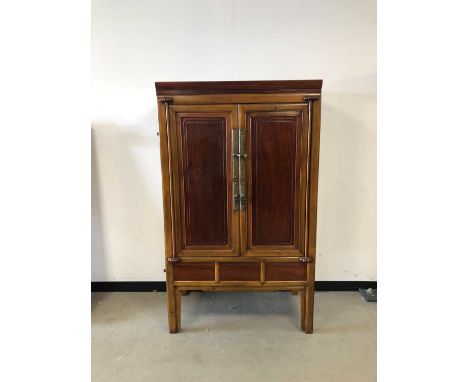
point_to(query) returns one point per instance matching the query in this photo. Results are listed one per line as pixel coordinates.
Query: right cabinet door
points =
(273, 218)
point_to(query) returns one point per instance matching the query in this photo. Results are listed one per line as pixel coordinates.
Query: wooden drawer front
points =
(239, 271)
(285, 272)
(194, 272)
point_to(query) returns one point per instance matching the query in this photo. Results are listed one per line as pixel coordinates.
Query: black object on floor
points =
(370, 294)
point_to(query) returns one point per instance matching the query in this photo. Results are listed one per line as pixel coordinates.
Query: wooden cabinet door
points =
(204, 221)
(272, 222)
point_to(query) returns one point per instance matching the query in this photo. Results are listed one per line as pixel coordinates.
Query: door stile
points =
(308, 170)
(315, 106)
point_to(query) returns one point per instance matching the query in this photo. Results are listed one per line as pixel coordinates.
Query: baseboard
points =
(160, 286)
(343, 286)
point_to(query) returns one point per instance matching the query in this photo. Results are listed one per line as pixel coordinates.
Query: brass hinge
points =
(305, 259)
(174, 259)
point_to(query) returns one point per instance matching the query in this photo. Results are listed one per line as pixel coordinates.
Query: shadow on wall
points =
(126, 202)
(98, 250)
(346, 237)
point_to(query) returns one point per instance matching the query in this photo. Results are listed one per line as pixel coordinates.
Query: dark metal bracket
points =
(166, 100)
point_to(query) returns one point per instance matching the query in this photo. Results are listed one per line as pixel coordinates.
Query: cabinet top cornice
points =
(238, 87)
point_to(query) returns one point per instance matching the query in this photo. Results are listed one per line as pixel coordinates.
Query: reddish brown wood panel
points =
(285, 272)
(239, 87)
(274, 179)
(239, 271)
(194, 272)
(205, 180)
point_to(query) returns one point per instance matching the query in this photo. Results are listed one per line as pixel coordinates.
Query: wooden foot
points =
(302, 298)
(172, 310)
(178, 299)
(309, 309)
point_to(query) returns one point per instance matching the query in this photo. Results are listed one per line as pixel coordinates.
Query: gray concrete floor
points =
(233, 337)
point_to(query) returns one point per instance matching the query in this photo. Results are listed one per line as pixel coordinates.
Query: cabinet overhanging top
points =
(238, 87)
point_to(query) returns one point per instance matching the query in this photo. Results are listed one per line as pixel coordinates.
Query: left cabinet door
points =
(201, 175)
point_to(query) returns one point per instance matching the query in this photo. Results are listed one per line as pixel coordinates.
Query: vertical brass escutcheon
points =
(235, 169)
(238, 168)
(242, 157)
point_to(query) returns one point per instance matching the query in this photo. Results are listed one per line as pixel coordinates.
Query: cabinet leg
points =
(302, 298)
(172, 309)
(309, 309)
(178, 295)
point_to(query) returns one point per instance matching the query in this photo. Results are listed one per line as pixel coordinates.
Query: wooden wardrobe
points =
(240, 166)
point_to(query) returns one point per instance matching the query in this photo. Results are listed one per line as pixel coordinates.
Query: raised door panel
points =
(273, 222)
(204, 221)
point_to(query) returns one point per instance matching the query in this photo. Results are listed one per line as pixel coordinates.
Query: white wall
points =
(138, 42)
